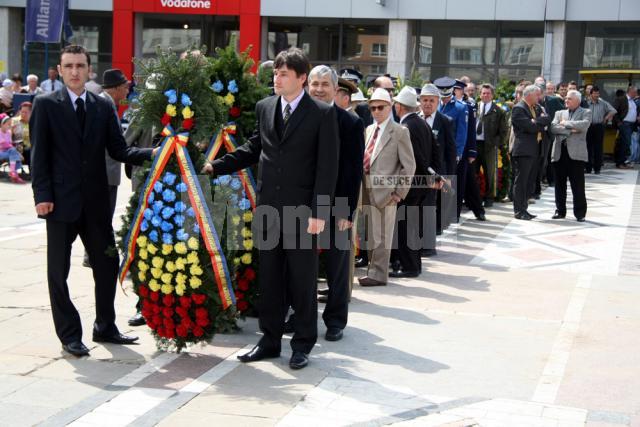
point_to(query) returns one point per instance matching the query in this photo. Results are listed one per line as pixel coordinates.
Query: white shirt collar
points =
(294, 103)
(73, 97)
(404, 117)
(383, 125)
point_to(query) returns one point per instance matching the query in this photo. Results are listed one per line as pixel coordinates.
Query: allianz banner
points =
(44, 20)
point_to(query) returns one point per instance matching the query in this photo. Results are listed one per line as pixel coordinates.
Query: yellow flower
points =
(236, 261)
(142, 241)
(246, 232)
(180, 248)
(192, 258)
(166, 249)
(152, 249)
(235, 219)
(193, 243)
(187, 113)
(142, 253)
(143, 266)
(195, 270)
(247, 216)
(181, 279)
(229, 99)
(166, 278)
(157, 262)
(171, 110)
(156, 273)
(248, 244)
(180, 263)
(246, 258)
(166, 289)
(170, 266)
(180, 289)
(154, 285)
(195, 282)
(142, 276)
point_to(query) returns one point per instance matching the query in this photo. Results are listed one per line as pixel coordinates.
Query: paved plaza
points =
(514, 323)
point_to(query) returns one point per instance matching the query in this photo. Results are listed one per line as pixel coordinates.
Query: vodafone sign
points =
(186, 4)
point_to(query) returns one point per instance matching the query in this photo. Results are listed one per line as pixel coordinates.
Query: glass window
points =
(521, 50)
(425, 49)
(179, 32)
(378, 49)
(611, 45)
(472, 50)
(318, 38)
(364, 46)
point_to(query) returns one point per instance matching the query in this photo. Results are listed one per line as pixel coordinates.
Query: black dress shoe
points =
(333, 334)
(137, 320)
(289, 326)
(531, 215)
(581, 219)
(368, 281)
(400, 274)
(76, 348)
(323, 291)
(258, 353)
(558, 215)
(116, 338)
(323, 299)
(428, 252)
(481, 217)
(523, 216)
(488, 203)
(298, 360)
(361, 262)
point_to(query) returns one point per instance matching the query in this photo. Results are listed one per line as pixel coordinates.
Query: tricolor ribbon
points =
(176, 143)
(225, 138)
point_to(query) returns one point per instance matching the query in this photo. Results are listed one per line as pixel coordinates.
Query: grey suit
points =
(114, 167)
(568, 156)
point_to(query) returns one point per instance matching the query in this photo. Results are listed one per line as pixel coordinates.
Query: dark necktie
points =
(80, 112)
(287, 113)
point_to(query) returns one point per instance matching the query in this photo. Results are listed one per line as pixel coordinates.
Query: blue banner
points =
(44, 20)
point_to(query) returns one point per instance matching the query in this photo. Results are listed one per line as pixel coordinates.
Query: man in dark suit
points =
(324, 86)
(405, 258)
(529, 123)
(70, 130)
(296, 145)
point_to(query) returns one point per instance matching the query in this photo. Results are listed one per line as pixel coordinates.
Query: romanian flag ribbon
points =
(224, 138)
(176, 143)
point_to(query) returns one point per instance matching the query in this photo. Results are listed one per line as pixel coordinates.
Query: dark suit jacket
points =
(526, 131)
(297, 169)
(494, 124)
(69, 165)
(362, 110)
(426, 152)
(351, 132)
(443, 131)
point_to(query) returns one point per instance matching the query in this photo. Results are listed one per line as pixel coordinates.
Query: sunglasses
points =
(373, 108)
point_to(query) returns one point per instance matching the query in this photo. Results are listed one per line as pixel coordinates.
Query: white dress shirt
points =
(73, 97)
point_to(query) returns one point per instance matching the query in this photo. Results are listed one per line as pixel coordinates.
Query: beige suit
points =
(392, 167)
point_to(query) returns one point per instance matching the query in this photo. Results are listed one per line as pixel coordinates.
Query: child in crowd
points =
(8, 151)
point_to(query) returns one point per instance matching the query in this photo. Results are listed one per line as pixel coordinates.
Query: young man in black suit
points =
(70, 129)
(296, 145)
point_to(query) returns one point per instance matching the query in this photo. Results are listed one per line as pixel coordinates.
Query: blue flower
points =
(224, 179)
(171, 95)
(144, 226)
(167, 239)
(180, 207)
(191, 213)
(215, 181)
(153, 236)
(148, 213)
(151, 198)
(166, 226)
(217, 86)
(185, 100)
(233, 199)
(196, 229)
(168, 195)
(156, 221)
(167, 212)
(179, 220)
(157, 206)
(158, 187)
(244, 204)
(236, 184)
(182, 235)
(169, 178)
(232, 87)
(182, 187)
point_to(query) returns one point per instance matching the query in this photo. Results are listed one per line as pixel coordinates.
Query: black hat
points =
(445, 85)
(351, 74)
(113, 78)
(346, 85)
(460, 84)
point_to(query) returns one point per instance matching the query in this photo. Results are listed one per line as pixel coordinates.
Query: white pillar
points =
(399, 48)
(11, 40)
(554, 45)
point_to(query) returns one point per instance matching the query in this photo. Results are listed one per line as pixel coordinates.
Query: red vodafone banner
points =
(194, 5)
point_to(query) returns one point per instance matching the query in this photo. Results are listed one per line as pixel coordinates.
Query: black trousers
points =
(461, 176)
(522, 181)
(288, 276)
(430, 220)
(97, 237)
(408, 239)
(622, 148)
(574, 170)
(338, 260)
(472, 192)
(595, 139)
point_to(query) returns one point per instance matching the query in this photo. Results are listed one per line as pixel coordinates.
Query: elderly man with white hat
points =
(389, 166)
(6, 94)
(405, 258)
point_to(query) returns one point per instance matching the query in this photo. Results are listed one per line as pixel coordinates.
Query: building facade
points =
(487, 40)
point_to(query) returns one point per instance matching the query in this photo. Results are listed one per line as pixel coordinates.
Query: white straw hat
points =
(407, 97)
(380, 95)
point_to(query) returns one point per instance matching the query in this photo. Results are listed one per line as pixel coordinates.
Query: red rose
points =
(146, 304)
(182, 331)
(170, 333)
(234, 112)
(198, 331)
(239, 295)
(250, 274)
(243, 305)
(201, 313)
(168, 323)
(181, 311)
(168, 300)
(186, 322)
(167, 311)
(156, 309)
(166, 119)
(143, 291)
(199, 298)
(157, 320)
(187, 124)
(185, 301)
(243, 284)
(161, 331)
(146, 312)
(202, 321)
(155, 296)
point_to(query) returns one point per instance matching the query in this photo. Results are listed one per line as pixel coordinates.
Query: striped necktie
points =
(369, 152)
